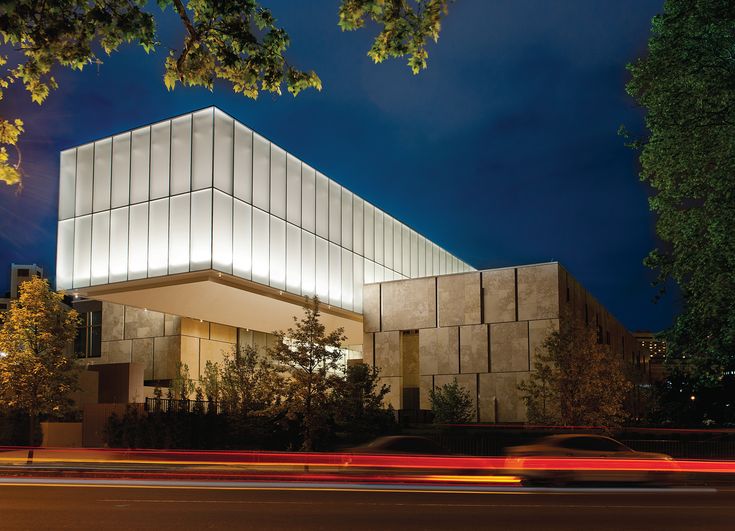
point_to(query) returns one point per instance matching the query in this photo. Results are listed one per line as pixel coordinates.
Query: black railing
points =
(173, 405)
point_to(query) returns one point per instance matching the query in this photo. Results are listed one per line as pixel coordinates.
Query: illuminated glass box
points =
(204, 192)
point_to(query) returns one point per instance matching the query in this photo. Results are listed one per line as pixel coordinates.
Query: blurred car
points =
(584, 446)
(401, 444)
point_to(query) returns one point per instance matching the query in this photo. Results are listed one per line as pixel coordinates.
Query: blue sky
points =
(505, 151)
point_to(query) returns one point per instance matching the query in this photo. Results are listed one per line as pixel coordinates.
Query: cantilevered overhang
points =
(221, 298)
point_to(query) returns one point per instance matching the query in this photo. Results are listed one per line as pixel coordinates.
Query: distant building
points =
(19, 273)
(653, 353)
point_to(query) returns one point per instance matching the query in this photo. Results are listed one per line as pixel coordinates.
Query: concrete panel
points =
(447, 350)
(503, 388)
(428, 338)
(368, 349)
(473, 348)
(166, 354)
(194, 328)
(113, 321)
(172, 325)
(538, 292)
(213, 351)
(143, 355)
(538, 331)
(224, 333)
(388, 353)
(394, 396)
(468, 382)
(459, 299)
(509, 347)
(142, 323)
(116, 351)
(499, 295)
(409, 304)
(425, 386)
(190, 354)
(371, 308)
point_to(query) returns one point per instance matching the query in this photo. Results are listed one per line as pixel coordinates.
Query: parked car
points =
(401, 444)
(584, 446)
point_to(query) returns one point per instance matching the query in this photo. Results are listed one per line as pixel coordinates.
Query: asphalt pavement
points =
(35, 505)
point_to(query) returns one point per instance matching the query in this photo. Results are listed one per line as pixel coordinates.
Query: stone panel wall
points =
(408, 306)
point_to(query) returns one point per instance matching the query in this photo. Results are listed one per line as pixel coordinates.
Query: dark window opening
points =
(88, 343)
(23, 272)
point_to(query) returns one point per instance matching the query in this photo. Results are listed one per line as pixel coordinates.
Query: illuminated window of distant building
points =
(88, 343)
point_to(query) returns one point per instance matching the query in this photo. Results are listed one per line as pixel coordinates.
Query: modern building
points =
(185, 239)
(19, 273)
(482, 328)
(194, 234)
(653, 353)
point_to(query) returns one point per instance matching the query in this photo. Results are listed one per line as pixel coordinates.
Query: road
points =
(37, 507)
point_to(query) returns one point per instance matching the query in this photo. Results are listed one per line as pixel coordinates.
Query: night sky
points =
(505, 151)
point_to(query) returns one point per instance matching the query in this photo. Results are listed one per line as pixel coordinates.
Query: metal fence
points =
(172, 405)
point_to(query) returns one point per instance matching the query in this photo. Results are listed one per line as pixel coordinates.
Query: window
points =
(88, 343)
(23, 272)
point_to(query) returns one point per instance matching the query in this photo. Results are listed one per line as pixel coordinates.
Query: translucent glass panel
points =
(243, 163)
(102, 174)
(223, 151)
(100, 248)
(278, 182)
(138, 241)
(322, 206)
(119, 244)
(140, 164)
(436, 252)
(322, 269)
(308, 263)
(67, 184)
(200, 256)
(82, 250)
(347, 285)
(369, 231)
(388, 241)
(293, 258)
(357, 225)
(65, 255)
(422, 256)
(369, 271)
(293, 190)
(222, 232)
(85, 168)
(261, 244)
(158, 238)
(308, 198)
(335, 274)
(261, 172)
(242, 231)
(201, 149)
(335, 213)
(120, 194)
(160, 159)
(406, 246)
(181, 154)
(277, 253)
(397, 247)
(358, 277)
(178, 242)
(346, 219)
(414, 254)
(379, 236)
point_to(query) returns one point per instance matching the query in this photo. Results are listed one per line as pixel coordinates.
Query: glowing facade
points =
(203, 192)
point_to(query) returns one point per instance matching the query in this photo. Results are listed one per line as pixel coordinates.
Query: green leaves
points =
(407, 26)
(686, 83)
(451, 404)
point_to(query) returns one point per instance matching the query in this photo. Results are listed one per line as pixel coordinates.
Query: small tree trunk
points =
(31, 429)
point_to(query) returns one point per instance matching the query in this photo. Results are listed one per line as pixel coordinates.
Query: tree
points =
(451, 404)
(576, 381)
(358, 403)
(249, 383)
(686, 84)
(238, 42)
(37, 374)
(312, 358)
(182, 386)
